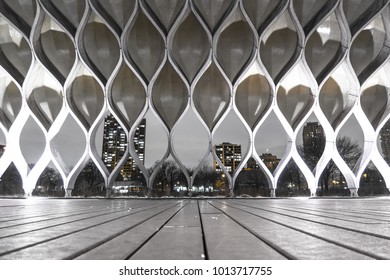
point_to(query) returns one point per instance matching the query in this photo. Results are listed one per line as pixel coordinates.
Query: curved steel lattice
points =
(76, 61)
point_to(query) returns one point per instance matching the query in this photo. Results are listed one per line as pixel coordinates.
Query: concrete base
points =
(354, 192)
(149, 193)
(68, 193)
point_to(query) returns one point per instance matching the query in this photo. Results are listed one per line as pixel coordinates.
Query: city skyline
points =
(268, 139)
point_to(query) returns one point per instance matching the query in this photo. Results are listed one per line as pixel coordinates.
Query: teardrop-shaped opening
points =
(89, 182)
(32, 141)
(46, 103)
(367, 45)
(190, 140)
(128, 95)
(292, 182)
(156, 142)
(190, 46)
(374, 103)
(332, 101)
(278, 45)
(10, 102)
(384, 142)
(16, 54)
(311, 142)
(251, 182)
(170, 180)
(253, 98)
(165, 11)
(169, 95)
(231, 141)
(145, 46)
(211, 96)
(205, 181)
(324, 46)
(86, 98)
(261, 12)
(332, 182)
(213, 12)
(271, 142)
(235, 47)
(117, 12)
(337, 98)
(11, 183)
(49, 183)
(294, 103)
(57, 47)
(101, 47)
(66, 150)
(350, 142)
(372, 182)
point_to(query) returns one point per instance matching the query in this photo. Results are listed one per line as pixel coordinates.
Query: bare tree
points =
(206, 176)
(349, 150)
(90, 181)
(292, 181)
(50, 183)
(167, 175)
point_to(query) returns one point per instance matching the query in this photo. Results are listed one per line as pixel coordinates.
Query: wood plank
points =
(122, 246)
(226, 229)
(42, 222)
(225, 239)
(377, 227)
(60, 241)
(373, 246)
(296, 243)
(180, 238)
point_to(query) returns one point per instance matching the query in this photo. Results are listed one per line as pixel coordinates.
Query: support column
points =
(108, 192)
(68, 193)
(354, 192)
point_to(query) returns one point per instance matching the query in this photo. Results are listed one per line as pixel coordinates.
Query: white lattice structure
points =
(295, 58)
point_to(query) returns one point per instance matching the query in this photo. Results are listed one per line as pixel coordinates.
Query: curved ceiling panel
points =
(190, 46)
(211, 96)
(169, 95)
(128, 95)
(145, 46)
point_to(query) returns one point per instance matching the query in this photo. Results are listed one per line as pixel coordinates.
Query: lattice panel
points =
(78, 60)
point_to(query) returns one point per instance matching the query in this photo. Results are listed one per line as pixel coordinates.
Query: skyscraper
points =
(313, 139)
(384, 138)
(230, 156)
(115, 144)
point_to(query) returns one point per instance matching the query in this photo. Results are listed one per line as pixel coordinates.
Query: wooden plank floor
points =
(39, 228)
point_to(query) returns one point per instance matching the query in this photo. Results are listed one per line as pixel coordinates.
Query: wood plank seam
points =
(72, 232)
(154, 234)
(111, 237)
(275, 247)
(363, 252)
